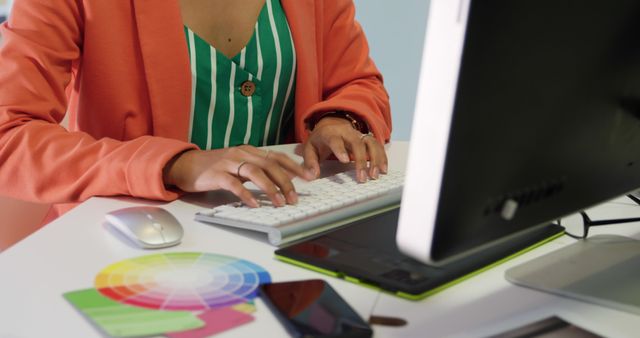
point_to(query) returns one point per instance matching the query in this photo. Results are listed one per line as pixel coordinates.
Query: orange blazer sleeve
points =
(350, 79)
(40, 160)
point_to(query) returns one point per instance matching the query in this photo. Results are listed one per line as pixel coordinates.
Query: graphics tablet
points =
(365, 252)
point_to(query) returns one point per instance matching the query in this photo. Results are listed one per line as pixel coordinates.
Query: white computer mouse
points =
(147, 227)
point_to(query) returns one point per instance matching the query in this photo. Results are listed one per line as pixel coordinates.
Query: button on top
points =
(247, 88)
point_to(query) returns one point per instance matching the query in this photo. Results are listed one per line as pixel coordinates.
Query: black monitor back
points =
(547, 115)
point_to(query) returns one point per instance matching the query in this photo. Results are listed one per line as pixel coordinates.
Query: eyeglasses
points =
(578, 225)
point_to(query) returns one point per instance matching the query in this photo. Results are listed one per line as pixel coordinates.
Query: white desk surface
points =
(66, 255)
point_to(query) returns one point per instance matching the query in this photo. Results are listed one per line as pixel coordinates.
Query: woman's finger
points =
(280, 177)
(377, 157)
(289, 165)
(257, 175)
(282, 159)
(336, 144)
(311, 161)
(359, 152)
(232, 184)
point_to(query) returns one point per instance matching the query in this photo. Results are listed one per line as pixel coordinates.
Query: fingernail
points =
(253, 203)
(311, 173)
(362, 175)
(293, 197)
(280, 200)
(375, 173)
(343, 157)
(384, 168)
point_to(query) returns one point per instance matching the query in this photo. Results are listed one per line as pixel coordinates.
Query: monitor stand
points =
(603, 270)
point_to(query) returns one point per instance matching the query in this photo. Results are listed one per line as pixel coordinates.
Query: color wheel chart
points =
(181, 281)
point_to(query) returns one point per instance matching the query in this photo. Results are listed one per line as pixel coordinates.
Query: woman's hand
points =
(199, 170)
(335, 135)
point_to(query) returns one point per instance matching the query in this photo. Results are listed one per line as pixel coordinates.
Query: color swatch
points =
(188, 281)
(119, 320)
(218, 320)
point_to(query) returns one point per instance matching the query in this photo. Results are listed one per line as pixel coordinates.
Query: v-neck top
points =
(247, 99)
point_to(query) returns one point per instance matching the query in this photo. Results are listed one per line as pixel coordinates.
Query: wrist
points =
(170, 168)
(331, 121)
(336, 116)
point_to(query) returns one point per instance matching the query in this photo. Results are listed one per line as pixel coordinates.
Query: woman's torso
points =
(242, 93)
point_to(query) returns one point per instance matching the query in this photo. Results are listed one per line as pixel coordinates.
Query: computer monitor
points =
(526, 111)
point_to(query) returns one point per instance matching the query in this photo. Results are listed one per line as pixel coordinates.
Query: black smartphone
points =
(312, 308)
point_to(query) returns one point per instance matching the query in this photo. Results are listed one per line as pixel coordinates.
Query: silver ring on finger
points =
(363, 136)
(240, 167)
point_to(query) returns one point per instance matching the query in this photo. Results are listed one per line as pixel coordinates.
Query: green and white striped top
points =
(249, 98)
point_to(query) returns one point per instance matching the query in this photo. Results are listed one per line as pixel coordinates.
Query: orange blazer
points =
(121, 69)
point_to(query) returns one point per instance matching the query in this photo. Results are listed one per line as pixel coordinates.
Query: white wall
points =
(395, 30)
(5, 5)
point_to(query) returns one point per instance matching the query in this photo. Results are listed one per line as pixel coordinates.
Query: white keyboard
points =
(322, 205)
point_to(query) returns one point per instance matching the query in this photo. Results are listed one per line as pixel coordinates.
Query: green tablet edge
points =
(426, 293)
